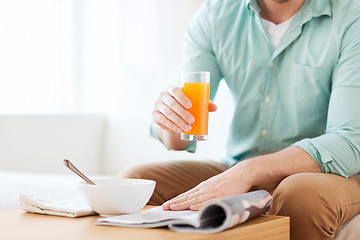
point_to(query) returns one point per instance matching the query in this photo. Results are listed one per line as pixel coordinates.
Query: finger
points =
(193, 193)
(166, 205)
(177, 199)
(180, 96)
(187, 193)
(173, 117)
(173, 104)
(194, 200)
(197, 207)
(163, 121)
(164, 127)
(212, 107)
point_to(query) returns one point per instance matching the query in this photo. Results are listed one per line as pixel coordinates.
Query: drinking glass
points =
(196, 86)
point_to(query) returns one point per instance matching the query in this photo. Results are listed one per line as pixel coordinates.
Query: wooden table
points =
(16, 225)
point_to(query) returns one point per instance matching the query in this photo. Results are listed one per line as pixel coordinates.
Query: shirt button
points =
(271, 64)
(264, 132)
(267, 99)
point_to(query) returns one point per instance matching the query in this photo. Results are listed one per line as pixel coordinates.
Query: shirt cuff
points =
(323, 156)
(191, 147)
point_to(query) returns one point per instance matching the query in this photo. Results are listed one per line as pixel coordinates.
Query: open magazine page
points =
(226, 213)
(215, 216)
(154, 217)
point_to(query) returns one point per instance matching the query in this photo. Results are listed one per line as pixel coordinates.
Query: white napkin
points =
(75, 207)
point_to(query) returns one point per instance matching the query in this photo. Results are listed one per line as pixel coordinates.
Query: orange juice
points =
(198, 93)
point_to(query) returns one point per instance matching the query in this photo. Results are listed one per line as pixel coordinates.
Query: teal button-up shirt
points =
(305, 92)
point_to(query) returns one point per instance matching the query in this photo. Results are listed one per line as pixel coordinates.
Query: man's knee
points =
(305, 199)
(300, 193)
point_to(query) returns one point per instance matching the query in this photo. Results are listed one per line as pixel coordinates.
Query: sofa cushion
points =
(39, 143)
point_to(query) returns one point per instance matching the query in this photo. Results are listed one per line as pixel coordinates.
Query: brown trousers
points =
(317, 203)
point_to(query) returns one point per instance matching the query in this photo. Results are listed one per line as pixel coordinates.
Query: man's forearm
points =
(272, 168)
(259, 171)
(171, 139)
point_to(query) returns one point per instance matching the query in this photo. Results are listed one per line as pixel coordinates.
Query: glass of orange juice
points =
(196, 86)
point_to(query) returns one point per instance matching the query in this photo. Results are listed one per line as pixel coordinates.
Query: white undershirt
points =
(277, 31)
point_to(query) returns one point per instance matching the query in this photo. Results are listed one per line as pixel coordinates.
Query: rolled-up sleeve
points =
(198, 55)
(338, 150)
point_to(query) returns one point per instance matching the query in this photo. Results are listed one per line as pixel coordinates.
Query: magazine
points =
(213, 217)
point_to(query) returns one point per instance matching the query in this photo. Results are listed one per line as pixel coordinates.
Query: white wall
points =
(127, 139)
(131, 81)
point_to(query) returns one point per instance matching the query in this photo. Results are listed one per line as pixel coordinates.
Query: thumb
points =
(212, 106)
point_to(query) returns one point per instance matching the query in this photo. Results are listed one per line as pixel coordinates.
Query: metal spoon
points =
(71, 166)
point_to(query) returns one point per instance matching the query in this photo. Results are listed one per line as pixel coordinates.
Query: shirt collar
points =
(317, 8)
(252, 5)
(310, 7)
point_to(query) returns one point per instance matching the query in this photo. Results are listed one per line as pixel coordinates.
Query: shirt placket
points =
(267, 108)
(267, 104)
(266, 95)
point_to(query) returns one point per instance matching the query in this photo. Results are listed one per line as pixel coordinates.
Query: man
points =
(293, 68)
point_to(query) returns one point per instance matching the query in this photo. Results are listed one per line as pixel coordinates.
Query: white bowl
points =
(117, 195)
